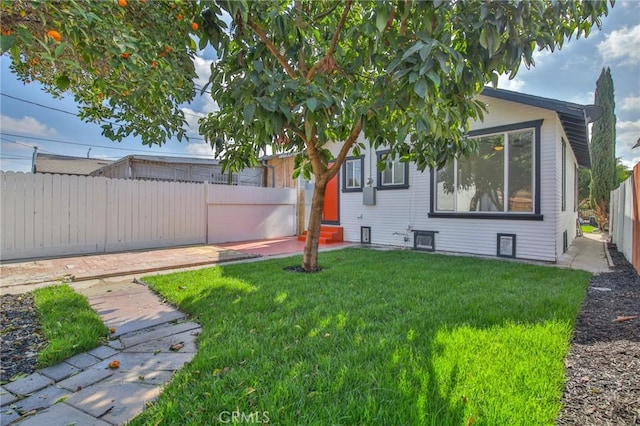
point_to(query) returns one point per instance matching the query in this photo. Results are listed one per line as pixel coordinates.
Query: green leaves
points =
(7, 42)
(63, 82)
(382, 16)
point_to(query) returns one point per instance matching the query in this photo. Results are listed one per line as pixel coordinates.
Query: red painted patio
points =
(81, 268)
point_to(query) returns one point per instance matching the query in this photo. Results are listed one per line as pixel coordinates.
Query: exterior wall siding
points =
(399, 212)
(565, 220)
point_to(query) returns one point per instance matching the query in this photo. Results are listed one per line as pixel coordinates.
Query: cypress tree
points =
(603, 158)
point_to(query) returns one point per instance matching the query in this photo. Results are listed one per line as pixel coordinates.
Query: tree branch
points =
(318, 167)
(295, 130)
(302, 64)
(272, 48)
(348, 143)
(325, 13)
(334, 41)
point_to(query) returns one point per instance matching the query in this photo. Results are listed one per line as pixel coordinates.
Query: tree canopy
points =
(604, 175)
(297, 75)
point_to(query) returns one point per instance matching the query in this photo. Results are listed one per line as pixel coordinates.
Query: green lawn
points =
(587, 229)
(378, 337)
(69, 324)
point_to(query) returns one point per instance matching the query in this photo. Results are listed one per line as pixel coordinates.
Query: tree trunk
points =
(310, 256)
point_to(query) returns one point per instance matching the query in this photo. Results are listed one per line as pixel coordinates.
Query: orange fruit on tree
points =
(194, 26)
(125, 55)
(154, 64)
(179, 17)
(54, 35)
(167, 48)
(122, 3)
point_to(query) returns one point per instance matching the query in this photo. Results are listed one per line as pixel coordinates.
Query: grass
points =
(393, 337)
(69, 324)
(587, 229)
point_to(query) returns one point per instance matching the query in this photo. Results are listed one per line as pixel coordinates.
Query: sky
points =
(29, 117)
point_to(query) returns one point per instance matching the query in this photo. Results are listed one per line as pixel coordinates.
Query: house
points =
(178, 169)
(516, 198)
(66, 165)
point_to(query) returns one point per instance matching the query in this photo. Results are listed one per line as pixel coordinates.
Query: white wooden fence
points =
(53, 215)
(624, 218)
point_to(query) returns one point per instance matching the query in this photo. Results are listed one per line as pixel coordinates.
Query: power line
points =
(40, 105)
(92, 146)
(76, 115)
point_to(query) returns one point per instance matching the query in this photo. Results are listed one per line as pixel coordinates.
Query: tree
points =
(584, 186)
(302, 75)
(604, 176)
(128, 64)
(622, 172)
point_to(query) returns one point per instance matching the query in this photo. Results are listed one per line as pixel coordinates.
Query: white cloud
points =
(630, 103)
(630, 163)
(627, 134)
(203, 70)
(27, 125)
(623, 45)
(200, 149)
(192, 118)
(504, 83)
(628, 131)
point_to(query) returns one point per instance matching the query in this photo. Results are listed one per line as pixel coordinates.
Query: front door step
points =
(328, 234)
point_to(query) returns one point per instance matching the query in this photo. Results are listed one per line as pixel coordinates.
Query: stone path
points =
(83, 390)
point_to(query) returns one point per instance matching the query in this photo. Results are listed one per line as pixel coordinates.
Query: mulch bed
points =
(20, 336)
(602, 368)
(603, 365)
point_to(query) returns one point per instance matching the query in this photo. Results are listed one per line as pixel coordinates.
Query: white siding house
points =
(517, 198)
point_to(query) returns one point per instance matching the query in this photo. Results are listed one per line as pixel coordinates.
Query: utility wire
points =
(95, 146)
(76, 115)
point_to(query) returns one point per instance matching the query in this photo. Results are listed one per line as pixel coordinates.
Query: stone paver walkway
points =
(83, 390)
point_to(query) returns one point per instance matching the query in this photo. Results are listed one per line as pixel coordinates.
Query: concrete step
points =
(328, 234)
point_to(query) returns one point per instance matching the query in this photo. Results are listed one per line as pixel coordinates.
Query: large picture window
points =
(499, 179)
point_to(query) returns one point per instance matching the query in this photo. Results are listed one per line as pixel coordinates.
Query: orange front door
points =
(331, 212)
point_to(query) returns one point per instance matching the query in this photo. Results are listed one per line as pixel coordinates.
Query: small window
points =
(564, 175)
(575, 187)
(424, 240)
(395, 174)
(365, 235)
(565, 241)
(353, 174)
(506, 245)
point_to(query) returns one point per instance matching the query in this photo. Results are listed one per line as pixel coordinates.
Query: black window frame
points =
(536, 125)
(362, 232)
(344, 174)
(404, 185)
(431, 234)
(563, 201)
(513, 246)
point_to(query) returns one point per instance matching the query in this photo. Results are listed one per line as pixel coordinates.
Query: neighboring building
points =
(516, 198)
(179, 169)
(65, 165)
(279, 171)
